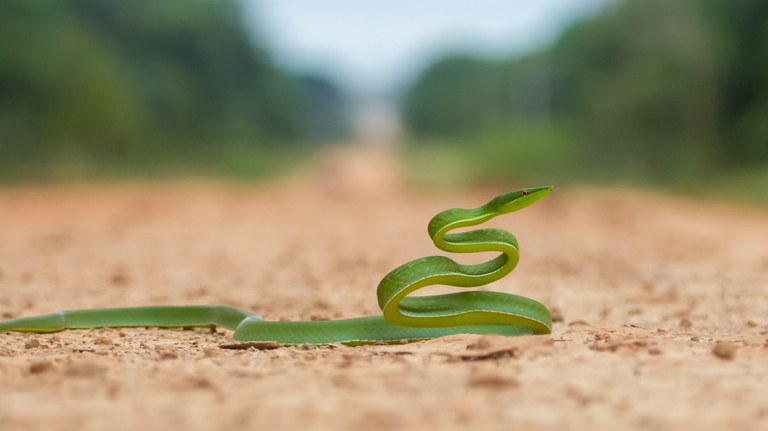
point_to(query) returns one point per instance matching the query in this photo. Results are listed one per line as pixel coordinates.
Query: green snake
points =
(405, 318)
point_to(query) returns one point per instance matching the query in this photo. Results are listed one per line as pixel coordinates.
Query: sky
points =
(371, 46)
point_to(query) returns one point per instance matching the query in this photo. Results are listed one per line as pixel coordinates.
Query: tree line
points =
(667, 88)
(102, 80)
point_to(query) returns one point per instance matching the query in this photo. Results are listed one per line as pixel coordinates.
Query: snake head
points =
(519, 199)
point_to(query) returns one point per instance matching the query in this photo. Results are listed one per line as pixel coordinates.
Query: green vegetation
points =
(113, 87)
(670, 93)
(652, 91)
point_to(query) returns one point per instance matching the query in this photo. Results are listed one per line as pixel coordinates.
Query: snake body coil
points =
(405, 318)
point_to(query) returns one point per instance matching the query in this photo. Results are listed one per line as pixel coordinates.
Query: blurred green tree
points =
(105, 80)
(738, 31)
(650, 89)
(454, 95)
(639, 82)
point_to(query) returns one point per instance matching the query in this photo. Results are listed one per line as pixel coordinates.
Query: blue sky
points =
(377, 45)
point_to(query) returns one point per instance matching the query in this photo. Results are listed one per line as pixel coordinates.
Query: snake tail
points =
(164, 316)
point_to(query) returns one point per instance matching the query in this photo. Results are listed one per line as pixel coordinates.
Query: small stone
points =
(725, 350)
(201, 383)
(346, 360)
(752, 324)
(481, 343)
(557, 315)
(32, 344)
(654, 351)
(492, 381)
(211, 352)
(40, 367)
(166, 352)
(105, 341)
(119, 279)
(685, 323)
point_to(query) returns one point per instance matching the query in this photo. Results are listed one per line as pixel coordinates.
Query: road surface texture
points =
(660, 305)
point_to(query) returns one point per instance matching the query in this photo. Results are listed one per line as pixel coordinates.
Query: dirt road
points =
(661, 308)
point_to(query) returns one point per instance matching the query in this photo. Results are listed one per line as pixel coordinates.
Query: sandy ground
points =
(661, 308)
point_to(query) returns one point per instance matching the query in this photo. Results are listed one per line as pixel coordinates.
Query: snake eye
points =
(524, 193)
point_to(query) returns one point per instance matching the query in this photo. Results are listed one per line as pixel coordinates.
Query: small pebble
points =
(166, 352)
(725, 350)
(492, 381)
(685, 323)
(119, 279)
(32, 344)
(40, 367)
(481, 343)
(105, 341)
(557, 315)
(210, 352)
(654, 351)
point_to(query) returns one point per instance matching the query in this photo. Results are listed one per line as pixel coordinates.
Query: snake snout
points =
(520, 199)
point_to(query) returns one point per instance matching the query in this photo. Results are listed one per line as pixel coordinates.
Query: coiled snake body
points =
(405, 318)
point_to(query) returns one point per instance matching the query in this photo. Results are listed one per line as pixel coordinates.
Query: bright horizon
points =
(377, 46)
